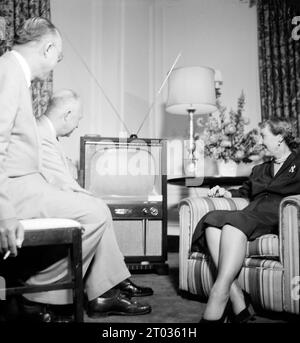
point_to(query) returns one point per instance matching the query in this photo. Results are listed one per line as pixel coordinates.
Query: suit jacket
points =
(263, 185)
(19, 142)
(55, 167)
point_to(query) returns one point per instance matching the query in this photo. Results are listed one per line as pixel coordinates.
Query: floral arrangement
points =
(225, 138)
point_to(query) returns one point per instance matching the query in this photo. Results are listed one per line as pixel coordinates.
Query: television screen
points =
(123, 170)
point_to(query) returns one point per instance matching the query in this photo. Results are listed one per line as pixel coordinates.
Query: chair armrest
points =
(49, 231)
(48, 223)
(51, 237)
(289, 245)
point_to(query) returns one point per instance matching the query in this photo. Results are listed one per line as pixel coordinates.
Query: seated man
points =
(26, 190)
(61, 118)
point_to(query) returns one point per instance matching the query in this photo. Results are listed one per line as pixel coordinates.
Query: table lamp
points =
(191, 90)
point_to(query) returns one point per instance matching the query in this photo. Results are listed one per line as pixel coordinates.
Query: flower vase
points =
(210, 167)
(227, 168)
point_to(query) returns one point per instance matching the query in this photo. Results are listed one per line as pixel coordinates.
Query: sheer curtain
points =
(279, 59)
(12, 14)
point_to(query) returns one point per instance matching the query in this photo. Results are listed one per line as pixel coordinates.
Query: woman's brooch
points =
(292, 169)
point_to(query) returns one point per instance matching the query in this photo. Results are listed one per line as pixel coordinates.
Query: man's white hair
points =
(60, 99)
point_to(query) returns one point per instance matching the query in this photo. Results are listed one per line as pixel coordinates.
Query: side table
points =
(208, 181)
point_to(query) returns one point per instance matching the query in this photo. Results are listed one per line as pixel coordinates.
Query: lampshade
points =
(191, 88)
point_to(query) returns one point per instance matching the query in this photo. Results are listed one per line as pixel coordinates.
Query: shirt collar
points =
(24, 65)
(51, 126)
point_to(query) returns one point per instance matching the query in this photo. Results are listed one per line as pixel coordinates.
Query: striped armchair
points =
(271, 272)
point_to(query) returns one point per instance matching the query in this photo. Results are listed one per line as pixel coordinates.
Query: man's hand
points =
(11, 236)
(218, 192)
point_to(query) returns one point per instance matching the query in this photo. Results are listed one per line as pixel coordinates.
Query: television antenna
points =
(159, 91)
(97, 83)
(108, 99)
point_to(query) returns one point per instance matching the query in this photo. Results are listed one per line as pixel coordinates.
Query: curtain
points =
(279, 60)
(12, 14)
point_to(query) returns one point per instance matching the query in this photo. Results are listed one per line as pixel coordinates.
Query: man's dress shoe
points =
(131, 290)
(37, 312)
(119, 304)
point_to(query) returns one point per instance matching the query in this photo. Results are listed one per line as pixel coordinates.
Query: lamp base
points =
(189, 167)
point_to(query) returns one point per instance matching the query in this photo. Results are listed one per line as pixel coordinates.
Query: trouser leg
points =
(100, 251)
(107, 259)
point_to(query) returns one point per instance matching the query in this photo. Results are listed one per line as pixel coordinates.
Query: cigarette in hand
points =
(6, 255)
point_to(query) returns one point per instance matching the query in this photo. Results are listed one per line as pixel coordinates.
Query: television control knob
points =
(145, 210)
(154, 211)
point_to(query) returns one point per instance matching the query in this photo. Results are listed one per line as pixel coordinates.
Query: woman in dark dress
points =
(225, 233)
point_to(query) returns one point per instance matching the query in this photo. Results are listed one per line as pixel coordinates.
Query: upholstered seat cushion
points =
(266, 246)
(49, 223)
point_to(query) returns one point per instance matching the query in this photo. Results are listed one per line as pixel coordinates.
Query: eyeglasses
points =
(60, 57)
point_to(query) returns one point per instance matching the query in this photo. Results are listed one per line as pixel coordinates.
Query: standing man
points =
(25, 192)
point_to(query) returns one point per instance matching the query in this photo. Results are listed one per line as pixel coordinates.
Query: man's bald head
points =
(65, 111)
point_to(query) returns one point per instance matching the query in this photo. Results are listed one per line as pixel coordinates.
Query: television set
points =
(129, 174)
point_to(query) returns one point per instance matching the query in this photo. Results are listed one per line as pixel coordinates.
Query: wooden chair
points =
(53, 232)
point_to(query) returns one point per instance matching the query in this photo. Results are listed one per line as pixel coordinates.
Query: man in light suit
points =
(25, 191)
(61, 118)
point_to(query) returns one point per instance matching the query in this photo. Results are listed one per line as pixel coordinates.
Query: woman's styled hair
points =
(284, 127)
(34, 29)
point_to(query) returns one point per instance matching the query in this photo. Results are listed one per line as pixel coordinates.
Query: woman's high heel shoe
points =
(243, 317)
(246, 314)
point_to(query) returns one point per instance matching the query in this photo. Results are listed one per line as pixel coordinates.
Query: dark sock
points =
(109, 294)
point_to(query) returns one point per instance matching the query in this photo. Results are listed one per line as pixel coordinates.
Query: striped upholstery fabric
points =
(259, 277)
(200, 275)
(262, 279)
(266, 246)
(271, 269)
(289, 251)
